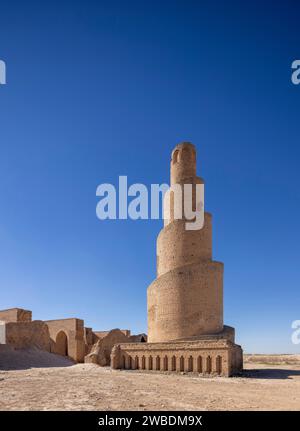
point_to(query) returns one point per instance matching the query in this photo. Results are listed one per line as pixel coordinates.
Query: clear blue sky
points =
(100, 89)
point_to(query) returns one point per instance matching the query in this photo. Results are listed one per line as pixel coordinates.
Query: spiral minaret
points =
(185, 301)
(186, 298)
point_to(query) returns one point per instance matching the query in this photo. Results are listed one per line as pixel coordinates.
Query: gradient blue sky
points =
(100, 89)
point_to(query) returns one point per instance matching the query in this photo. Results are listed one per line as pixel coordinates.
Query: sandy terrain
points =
(268, 383)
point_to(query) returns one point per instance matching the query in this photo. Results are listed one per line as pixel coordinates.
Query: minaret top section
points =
(183, 163)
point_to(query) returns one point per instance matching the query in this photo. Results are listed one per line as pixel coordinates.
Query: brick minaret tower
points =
(185, 301)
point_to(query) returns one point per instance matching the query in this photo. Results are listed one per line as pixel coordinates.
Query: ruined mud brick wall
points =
(16, 315)
(138, 338)
(89, 339)
(22, 335)
(67, 336)
(101, 352)
(102, 334)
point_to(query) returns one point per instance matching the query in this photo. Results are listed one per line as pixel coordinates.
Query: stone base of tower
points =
(209, 355)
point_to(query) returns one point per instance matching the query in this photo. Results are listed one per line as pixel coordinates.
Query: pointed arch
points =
(219, 364)
(181, 363)
(61, 343)
(208, 365)
(199, 364)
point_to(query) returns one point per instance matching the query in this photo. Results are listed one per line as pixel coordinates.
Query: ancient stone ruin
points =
(65, 337)
(185, 302)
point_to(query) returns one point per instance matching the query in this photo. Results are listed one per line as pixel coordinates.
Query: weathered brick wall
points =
(102, 334)
(74, 330)
(15, 315)
(207, 357)
(101, 351)
(21, 335)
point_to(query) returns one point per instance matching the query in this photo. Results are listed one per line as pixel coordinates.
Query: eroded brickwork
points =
(205, 357)
(15, 315)
(67, 338)
(22, 335)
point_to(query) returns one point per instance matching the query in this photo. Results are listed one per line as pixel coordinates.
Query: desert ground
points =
(35, 380)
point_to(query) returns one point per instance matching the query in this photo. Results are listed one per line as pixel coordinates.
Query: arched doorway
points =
(208, 365)
(219, 364)
(181, 363)
(62, 344)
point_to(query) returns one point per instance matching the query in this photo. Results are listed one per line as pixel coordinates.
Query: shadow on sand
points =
(24, 359)
(270, 373)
